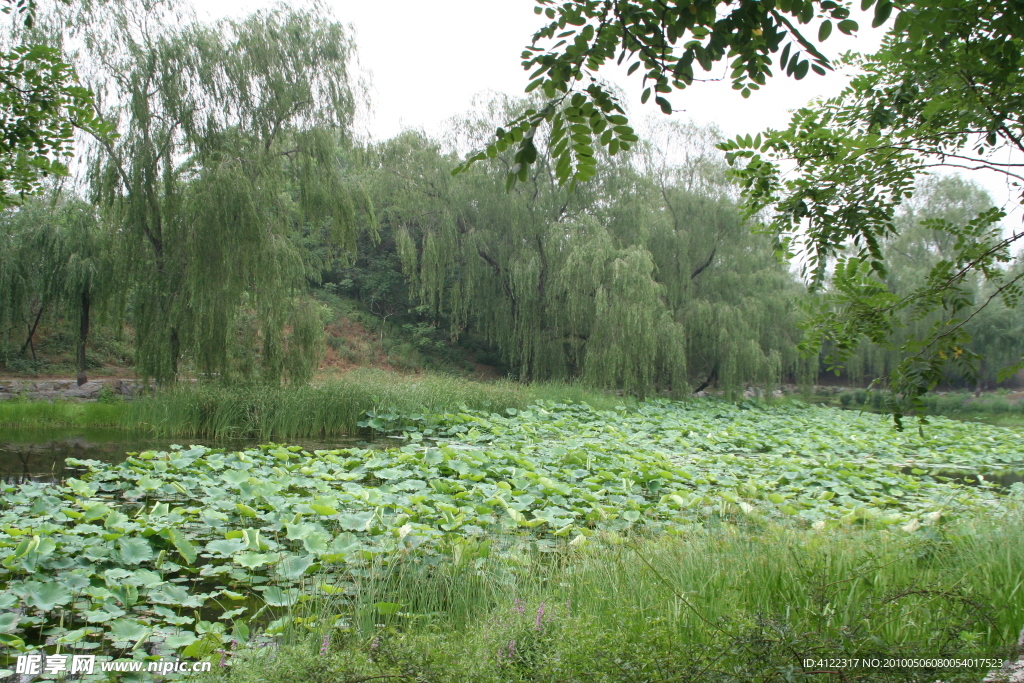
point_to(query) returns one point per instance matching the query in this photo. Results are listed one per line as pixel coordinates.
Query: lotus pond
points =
(178, 552)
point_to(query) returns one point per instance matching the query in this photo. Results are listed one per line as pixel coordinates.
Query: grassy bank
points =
(326, 409)
(999, 408)
(725, 604)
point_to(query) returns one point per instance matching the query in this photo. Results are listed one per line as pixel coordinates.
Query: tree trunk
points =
(175, 352)
(28, 341)
(83, 336)
(712, 376)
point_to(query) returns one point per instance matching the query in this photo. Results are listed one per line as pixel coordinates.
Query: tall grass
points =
(960, 405)
(726, 605)
(330, 408)
(19, 413)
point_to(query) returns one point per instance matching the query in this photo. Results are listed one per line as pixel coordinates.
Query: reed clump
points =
(328, 408)
(741, 603)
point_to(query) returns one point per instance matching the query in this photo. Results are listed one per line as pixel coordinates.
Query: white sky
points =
(427, 60)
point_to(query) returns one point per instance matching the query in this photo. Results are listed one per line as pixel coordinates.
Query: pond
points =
(40, 454)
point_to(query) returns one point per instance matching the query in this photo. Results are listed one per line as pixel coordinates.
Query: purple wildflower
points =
(375, 643)
(223, 658)
(540, 616)
(519, 606)
(511, 649)
(326, 643)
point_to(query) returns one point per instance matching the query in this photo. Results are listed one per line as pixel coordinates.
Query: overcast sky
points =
(426, 60)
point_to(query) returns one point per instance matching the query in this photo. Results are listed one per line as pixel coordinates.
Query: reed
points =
(744, 604)
(328, 408)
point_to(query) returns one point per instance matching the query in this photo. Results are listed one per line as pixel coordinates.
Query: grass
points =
(719, 604)
(329, 408)
(18, 413)
(993, 408)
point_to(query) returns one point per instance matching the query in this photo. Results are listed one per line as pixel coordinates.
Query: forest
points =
(559, 392)
(648, 279)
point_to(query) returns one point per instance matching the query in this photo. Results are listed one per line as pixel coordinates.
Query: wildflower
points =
(511, 649)
(326, 643)
(540, 616)
(519, 606)
(375, 643)
(223, 658)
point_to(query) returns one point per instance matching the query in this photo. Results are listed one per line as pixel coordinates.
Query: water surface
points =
(40, 454)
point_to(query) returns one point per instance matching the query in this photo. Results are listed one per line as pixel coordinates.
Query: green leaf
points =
(8, 621)
(127, 630)
(245, 510)
(134, 550)
(278, 597)
(848, 26)
(46, 596)
(226, 547)
(115, 520)
(204, 647)
(294, 566)
(182, 544)
(882, 11)
(254, 560)
(387, 608)
(180, 639)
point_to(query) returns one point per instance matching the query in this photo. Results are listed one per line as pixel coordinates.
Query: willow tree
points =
(929, 226)
(598, 283)
(80, 273)
(232, 142)
(58, 260)
(21, 297)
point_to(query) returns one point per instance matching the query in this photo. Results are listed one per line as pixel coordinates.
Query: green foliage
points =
(927, 226)
(231, 155)
(667, 42)
(960, 405)
(58, 260)
(860, 155)
(946, 79)
(41, 104)
(329, 408)
(247, 530)
(645, 280)
(744, 601)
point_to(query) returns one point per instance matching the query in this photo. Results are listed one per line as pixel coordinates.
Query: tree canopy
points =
(41, 104)
(646, 279)
(669, 45)
(230, 146)
(944, 91)
(226, 187)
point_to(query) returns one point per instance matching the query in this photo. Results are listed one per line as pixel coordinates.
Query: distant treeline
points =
(234, 190)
